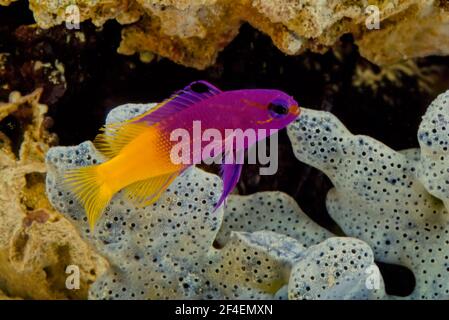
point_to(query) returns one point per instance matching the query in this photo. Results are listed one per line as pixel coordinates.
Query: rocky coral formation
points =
(272, 211)
(32, 57)
(338, 268)
(432, 137)
(3, 296)
(179, 248)
(263, 245)
(36, 242)
(6, 2)
(165, 251)
(193, 32)
(51, 13)
(421, 30)
(395, 201)
(199, 51)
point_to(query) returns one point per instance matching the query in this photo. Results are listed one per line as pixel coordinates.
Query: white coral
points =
(392, 200)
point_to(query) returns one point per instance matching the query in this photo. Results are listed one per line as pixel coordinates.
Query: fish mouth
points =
(295, 110)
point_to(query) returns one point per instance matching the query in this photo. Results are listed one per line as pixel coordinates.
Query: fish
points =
(139, 152)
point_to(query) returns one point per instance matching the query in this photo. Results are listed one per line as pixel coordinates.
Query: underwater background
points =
(83, 78)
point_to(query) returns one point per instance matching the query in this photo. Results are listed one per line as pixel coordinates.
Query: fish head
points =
(269, 109)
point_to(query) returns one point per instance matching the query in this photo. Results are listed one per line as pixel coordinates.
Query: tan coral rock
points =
(36, 242)
(422, 30)
(194, 52)
(194, 32)
(51, 13)
(6, 2)
(4, 296)
(185, 18)
(29, 111)
(409, 28)
(318, 25)
(309, 18)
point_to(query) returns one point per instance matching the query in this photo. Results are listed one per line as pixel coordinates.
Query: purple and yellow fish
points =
(138, 151)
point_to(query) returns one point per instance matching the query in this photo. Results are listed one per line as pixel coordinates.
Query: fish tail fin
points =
(90, 189)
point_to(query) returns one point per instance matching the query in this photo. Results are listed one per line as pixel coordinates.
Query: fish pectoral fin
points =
(116, 136)
(145, 192)
(230, 174)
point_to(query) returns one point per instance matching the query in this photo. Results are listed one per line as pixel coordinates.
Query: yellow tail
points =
(88, 187)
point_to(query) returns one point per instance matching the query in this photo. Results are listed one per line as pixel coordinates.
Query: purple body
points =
(260, 111)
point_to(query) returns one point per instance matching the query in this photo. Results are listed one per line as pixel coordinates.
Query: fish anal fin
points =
(145, 192)
(116, 136)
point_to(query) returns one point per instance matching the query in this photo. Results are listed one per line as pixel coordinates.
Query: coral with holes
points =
(36, 242)
(179, 248)
(330, 268)
(395, 201)
(338, 268)
(433, 140)
(271, 211)
(165, 250)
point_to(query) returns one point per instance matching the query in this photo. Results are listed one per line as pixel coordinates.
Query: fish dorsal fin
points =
(117, 135)
(192, 94)
(145, 192)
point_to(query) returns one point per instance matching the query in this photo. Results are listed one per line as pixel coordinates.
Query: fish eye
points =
(199, 87)
(278, 108)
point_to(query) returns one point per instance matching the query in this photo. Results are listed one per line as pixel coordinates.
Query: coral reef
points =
(432, 138)
(3, 296)
(82, 78)
(51, 13)
(272, 211)
(263, 245)
(195, 51)
(338, 268)
(420, 31)
(165, 250)
(327, 269)
(395, 201)
(193, 32)
(6, 2)
(36, 242)
(179, 248)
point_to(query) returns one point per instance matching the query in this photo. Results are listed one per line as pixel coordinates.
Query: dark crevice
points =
(399, 280)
